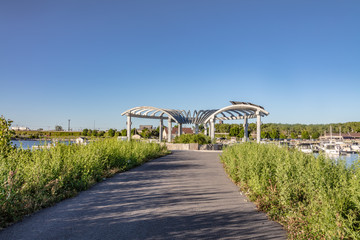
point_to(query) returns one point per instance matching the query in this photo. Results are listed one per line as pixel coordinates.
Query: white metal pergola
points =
(238, 110)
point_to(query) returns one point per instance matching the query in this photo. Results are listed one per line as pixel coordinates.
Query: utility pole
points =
(69, 125)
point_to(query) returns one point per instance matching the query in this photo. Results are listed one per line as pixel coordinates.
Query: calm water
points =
(349, 158)
(28, 144)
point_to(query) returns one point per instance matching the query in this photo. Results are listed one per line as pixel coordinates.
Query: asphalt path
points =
(185, 195)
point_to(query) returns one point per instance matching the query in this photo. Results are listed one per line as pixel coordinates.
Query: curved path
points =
(185, 195)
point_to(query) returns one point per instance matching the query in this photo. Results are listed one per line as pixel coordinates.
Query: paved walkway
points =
(185, 195)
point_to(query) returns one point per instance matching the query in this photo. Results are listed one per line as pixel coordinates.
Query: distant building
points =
(174, 132)
(20, 128)
(343, 136)
(142, 127)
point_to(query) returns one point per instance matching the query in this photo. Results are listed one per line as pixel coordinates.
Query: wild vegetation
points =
(314, 198)
(192, 138)
(31, 180)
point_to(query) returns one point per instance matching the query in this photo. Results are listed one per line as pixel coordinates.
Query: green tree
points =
(274, 134)
(234, 130)
(155, 132)
(111, 132)
(315, 135)
(124, 132)
(294, 135)
(305, 135)
(282, 136)
(265, 134)
(85, 132)
(201, 128)
(101, 133)
(192, 138)
(59, 128)
(5, 135)
(241, 133)
(222, 128)
(94, 133)
(252, 127)
(145, 133)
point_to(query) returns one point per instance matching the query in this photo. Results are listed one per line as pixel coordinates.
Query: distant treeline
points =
(39, 134)
(268, 130)
(282, 131)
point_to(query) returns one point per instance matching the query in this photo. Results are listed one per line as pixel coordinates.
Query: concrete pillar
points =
(246, 132)
(169, 130)
(196, 128)
(258, 128)
(161, 130)
(180, 129)
(128, 124)
(205, 129)
(212, 128)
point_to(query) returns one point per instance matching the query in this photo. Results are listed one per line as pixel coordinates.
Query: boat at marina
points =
(332, 149)
(305, 147)
(355, 147)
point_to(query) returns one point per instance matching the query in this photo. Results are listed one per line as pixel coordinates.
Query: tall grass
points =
(30, 180)
(314, 198)
(192, 138)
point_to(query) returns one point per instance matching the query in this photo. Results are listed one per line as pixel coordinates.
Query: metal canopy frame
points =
(238, 110)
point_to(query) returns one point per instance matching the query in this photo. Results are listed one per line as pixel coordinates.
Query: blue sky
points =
(90, 60)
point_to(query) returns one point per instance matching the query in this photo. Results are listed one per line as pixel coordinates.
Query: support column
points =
(258, 128)
(246, 132)
(196, 128)
(169, 130)
(205, 129)
(180, 129)
(212, 128)
(161, 130)
(128, 124)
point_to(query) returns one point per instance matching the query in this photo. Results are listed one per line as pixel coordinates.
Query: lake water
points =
(349, 158)
(28, 144)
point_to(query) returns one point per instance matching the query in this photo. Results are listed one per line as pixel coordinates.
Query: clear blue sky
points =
(90, 60)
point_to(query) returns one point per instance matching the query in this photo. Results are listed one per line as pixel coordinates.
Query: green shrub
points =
(314, 198)
(192, 138)
(30, 180)
(5, 135)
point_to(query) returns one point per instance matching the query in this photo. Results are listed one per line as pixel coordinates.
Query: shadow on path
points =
(185, 195)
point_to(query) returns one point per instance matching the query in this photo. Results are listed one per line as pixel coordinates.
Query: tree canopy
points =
(281, 131)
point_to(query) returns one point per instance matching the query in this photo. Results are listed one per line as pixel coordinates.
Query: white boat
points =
(355, 147)
(332, 149)
(305, 147)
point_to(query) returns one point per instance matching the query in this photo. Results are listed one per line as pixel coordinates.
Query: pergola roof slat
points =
(238, 110)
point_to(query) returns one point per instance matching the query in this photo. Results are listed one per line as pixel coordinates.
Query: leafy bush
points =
(315, 198)
(193, 138)
(30, 180)
(5, 135)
